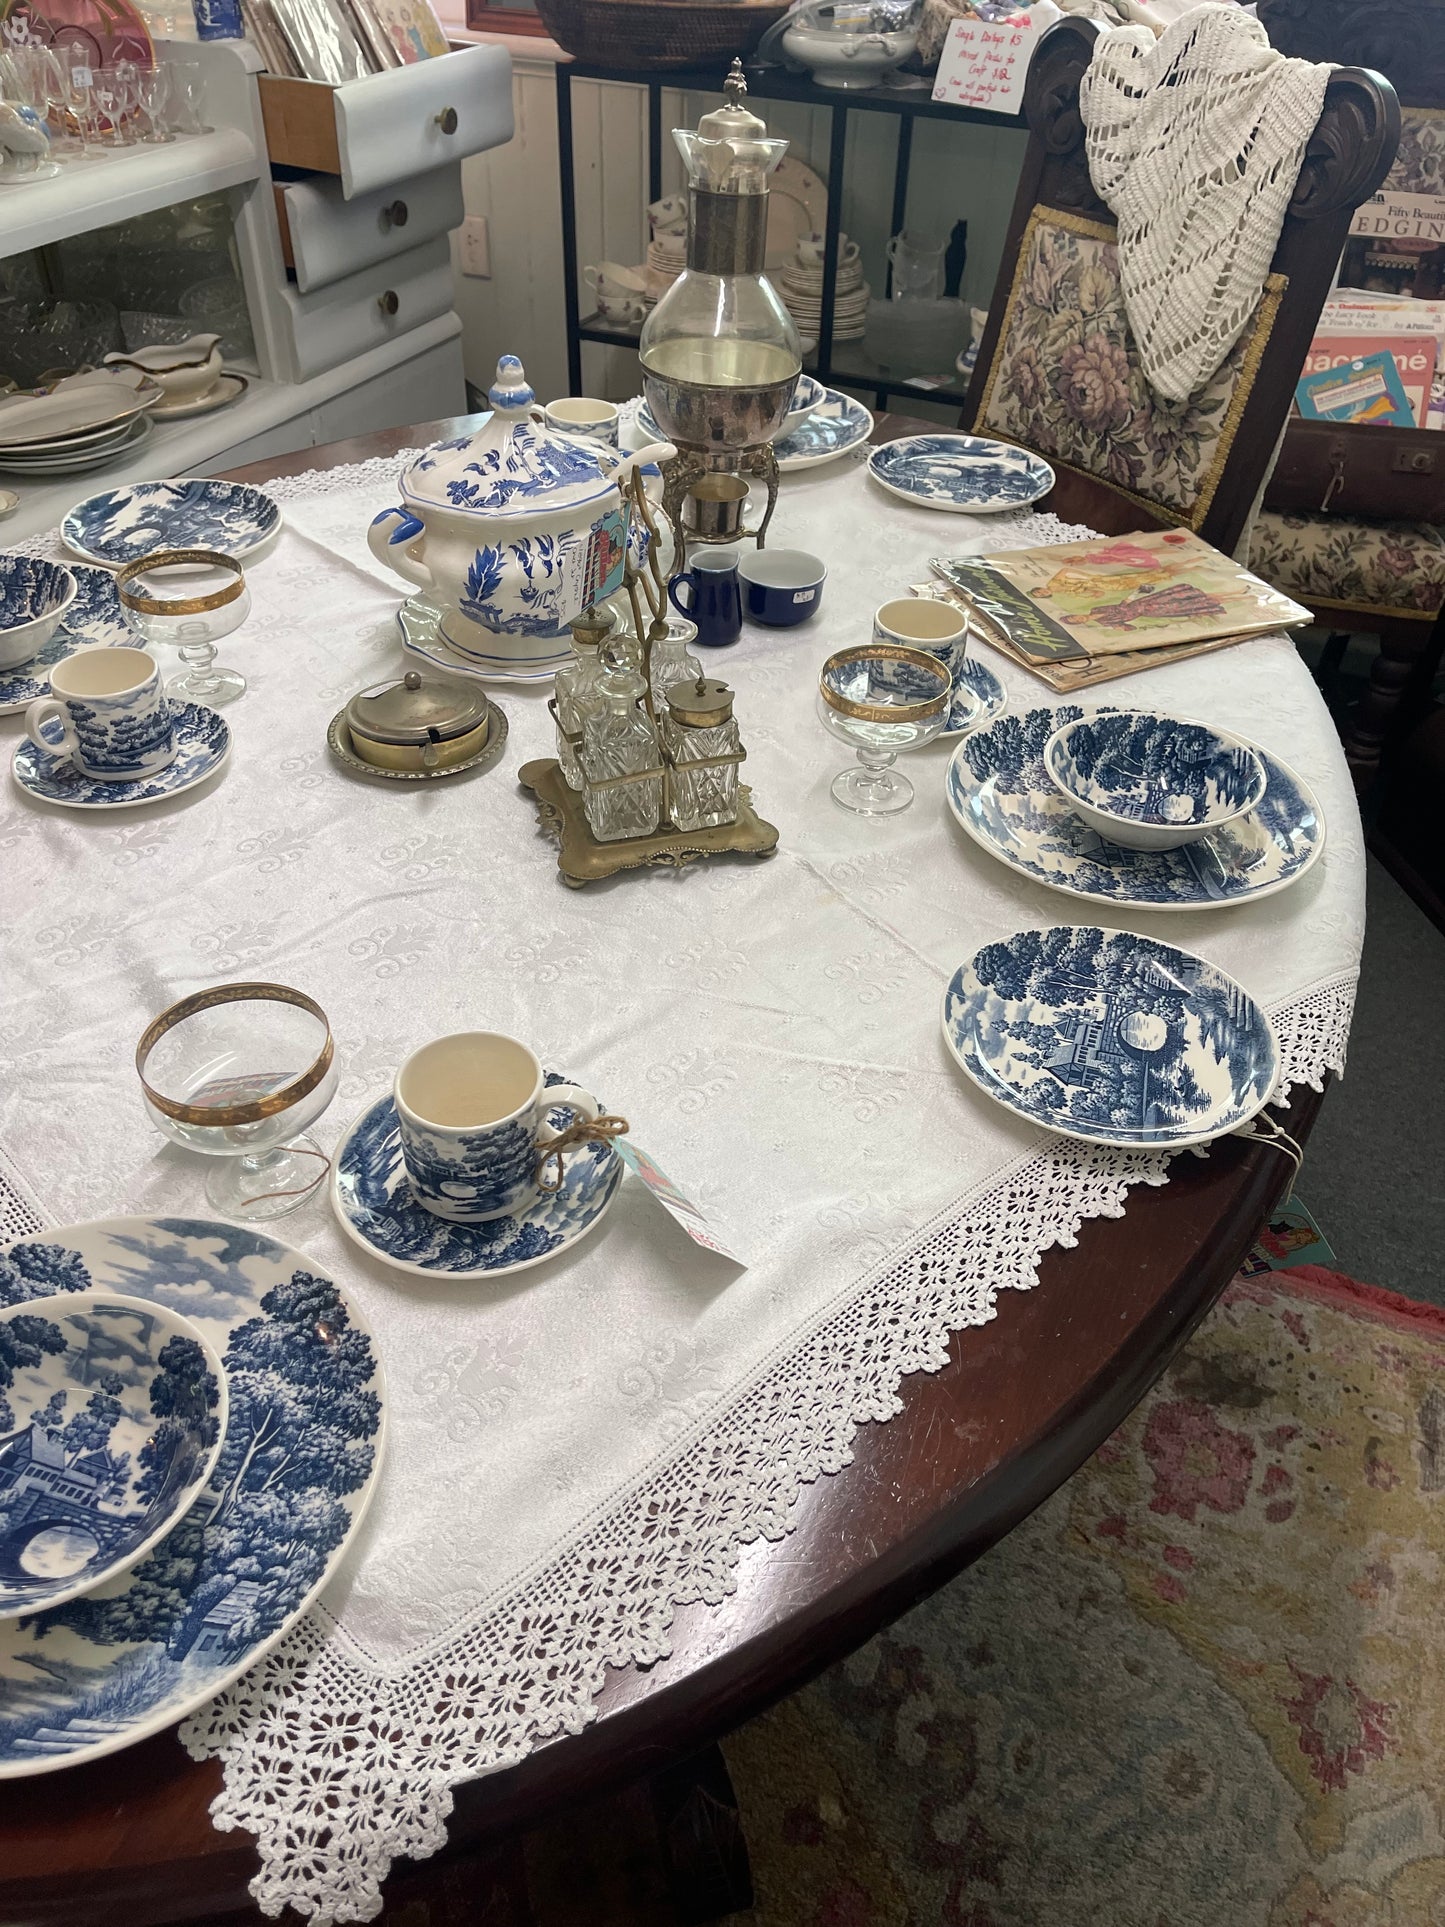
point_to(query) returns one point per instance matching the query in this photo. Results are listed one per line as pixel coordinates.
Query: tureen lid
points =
(415, 710)
(513, 465)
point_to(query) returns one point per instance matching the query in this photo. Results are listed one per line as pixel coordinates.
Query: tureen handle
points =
(389, 538)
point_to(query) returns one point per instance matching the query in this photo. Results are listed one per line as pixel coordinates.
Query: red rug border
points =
(1387, 1307)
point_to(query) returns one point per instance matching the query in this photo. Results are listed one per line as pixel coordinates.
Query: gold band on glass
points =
(257, 1108)
(886, 712)
(150, 605)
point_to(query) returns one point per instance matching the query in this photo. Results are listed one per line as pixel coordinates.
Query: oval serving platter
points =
(297, 1469)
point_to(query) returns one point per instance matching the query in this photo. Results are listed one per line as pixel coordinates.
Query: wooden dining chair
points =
(1058, 370)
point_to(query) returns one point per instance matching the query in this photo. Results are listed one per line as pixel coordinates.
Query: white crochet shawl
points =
(1195, 141)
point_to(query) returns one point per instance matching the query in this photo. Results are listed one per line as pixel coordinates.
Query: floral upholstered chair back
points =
(1065, 378)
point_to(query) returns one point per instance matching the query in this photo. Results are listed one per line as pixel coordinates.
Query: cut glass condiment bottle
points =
(577, 687)
(672, 661)
(699, 725)
(618, 739)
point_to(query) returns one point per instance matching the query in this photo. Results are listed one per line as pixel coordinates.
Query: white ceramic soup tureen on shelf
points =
(514, 531)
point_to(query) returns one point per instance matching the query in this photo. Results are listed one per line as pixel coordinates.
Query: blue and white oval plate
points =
(978, 696)
(1110, 1037)
(95, 617)
(961, 474)
(297, 1469)
(998, 789)
(122, 524)
(372, 1199)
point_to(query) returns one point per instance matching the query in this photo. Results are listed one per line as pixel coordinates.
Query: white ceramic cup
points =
(115, 724)
(472, 1113)
(918, 622)
(595, 421)
(813, 250)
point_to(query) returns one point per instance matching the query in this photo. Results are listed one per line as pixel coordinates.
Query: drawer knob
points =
(388, 302)
(447, 120)
(395, 215)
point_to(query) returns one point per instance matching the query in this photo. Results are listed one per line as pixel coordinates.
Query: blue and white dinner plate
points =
(95, 616)
(1110, 1037)
(373, 1201)
(978, 696)
(117, 1411)
(123, 523)
(297, 1470)
(203, 743)
(961, 474)
(1002, 795)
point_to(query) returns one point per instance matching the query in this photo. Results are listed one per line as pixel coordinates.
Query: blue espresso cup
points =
(715, 597)
(782, 587)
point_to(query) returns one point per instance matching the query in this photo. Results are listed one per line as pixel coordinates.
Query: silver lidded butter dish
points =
(417, 728)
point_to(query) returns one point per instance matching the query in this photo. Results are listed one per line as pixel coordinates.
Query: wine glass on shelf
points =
(188, 90)
(238, 1072)
(153, 95)
(881, 699)
(188, 598)
(112, 98)
(79, 78)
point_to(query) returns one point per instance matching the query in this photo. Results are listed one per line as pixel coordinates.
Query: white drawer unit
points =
(364, 310)
(390, 126)
(331, 236)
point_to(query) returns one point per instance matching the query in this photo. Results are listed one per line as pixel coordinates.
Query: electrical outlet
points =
(476, 247)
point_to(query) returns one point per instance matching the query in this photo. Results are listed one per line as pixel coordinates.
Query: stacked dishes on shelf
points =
(800, 282)
(82, 423)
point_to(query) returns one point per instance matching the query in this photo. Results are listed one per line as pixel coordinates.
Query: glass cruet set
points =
(646, 755)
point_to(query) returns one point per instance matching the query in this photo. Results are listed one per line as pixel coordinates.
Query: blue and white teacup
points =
(918, 622)
(472, 1113)
(114, 723)
(594, 421)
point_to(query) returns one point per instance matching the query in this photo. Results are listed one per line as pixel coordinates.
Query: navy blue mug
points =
(715, 601)
(782, 587)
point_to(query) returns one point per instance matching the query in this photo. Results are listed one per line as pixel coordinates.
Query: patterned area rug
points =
(1202, 1687)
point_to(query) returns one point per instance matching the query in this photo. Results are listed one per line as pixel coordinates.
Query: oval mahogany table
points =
(976, 1447)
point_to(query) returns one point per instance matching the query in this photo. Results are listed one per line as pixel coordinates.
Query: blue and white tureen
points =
(514, 531)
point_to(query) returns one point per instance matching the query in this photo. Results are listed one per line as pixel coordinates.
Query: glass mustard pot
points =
(417, 723)
(700, 735)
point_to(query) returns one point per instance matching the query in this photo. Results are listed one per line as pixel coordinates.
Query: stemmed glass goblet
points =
(153, 96)
(881, 699)
(237, 1072)
(189, 598)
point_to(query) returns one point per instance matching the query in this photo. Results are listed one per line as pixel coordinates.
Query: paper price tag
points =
(674, 1203)
(986, 62)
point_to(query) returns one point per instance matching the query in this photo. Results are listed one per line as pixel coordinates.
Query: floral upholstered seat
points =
(1066, 379)
(1388, 569)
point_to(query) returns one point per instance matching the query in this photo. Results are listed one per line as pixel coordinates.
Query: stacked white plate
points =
(83, 423)
(801, 286)
(666, 259)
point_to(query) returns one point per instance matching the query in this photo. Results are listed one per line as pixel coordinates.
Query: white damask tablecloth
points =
(577, 1449)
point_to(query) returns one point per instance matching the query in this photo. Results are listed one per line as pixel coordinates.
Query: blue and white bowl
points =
(1153, 782)
(806, 397)
(1110, 1037)
(116, 1411)
(34, 596)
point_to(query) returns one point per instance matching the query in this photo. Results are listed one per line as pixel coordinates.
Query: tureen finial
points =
(510, 392)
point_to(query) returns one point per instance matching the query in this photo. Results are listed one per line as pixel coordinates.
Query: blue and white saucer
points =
(835, 426)
(123, 523)
(94, 617)
(421, 636)
(203, 743)
(978, 696)
(1110, 1037)
(961, 474)
(372, 1199)
(1000, 792)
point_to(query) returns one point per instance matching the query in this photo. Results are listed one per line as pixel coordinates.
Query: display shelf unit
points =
(847, 364)
(95, 190)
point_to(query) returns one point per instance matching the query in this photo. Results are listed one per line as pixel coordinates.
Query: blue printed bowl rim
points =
(1226, 736)
(57, 568)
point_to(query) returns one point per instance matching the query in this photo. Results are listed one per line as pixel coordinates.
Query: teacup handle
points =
(41, 711)
(567, 1097)
(683, 608)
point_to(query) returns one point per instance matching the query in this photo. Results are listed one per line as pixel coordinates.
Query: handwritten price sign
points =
(986, 62)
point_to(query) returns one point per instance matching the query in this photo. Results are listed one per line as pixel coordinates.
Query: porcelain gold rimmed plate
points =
(297, 1470)
(372, 1199)
(1001, 794)
(960, 474)
(117, 1414)
(1111, 1037)
(203, 747)
(123, 524)
(93, 618)
(27, 421)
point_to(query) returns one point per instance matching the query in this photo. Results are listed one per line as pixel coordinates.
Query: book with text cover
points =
(1077, 602)
(1369, 390)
